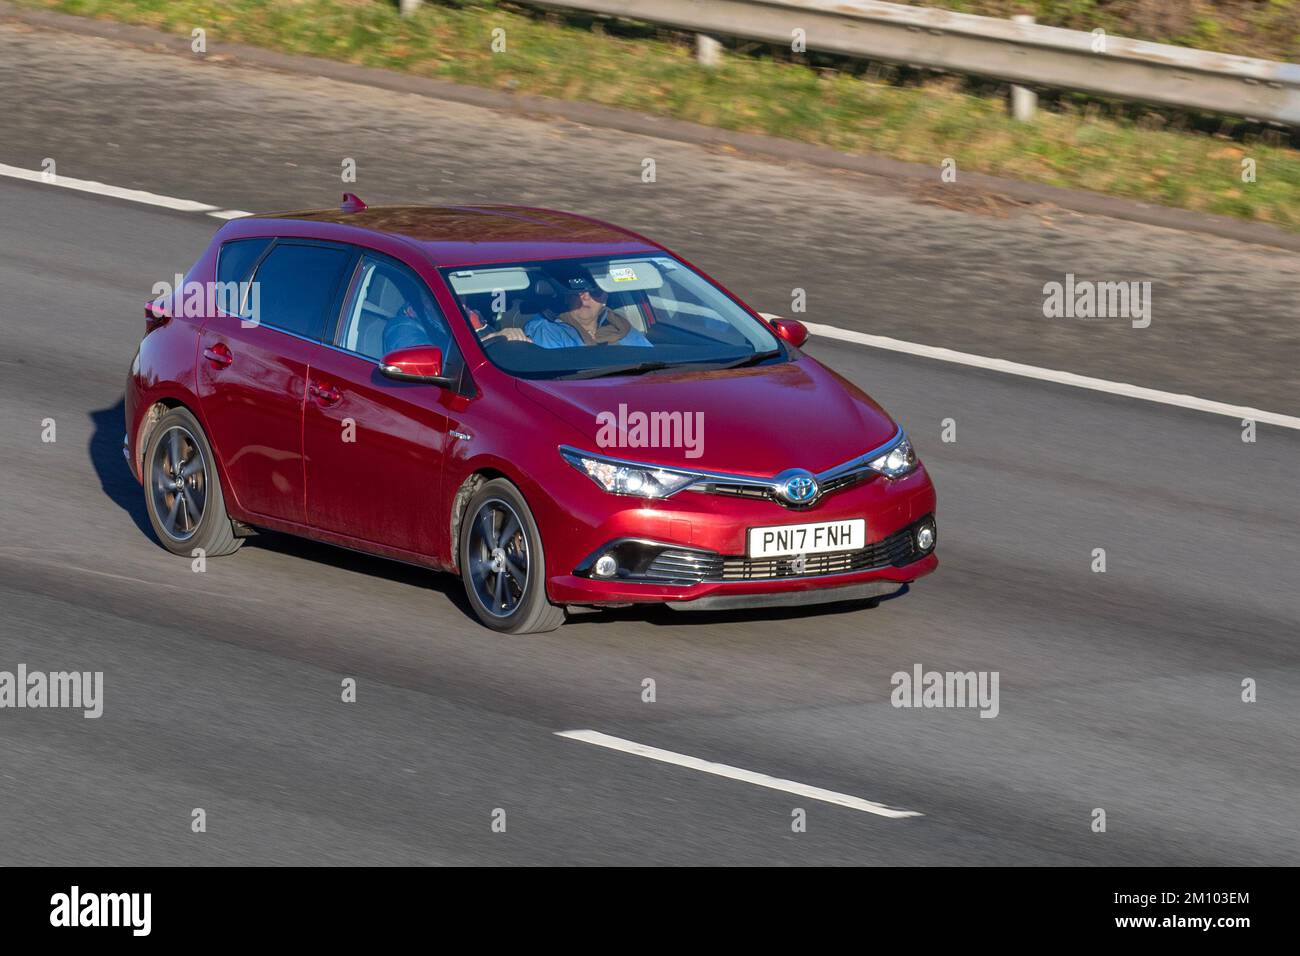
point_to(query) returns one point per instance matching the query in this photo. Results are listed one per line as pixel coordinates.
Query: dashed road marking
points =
(736, 773)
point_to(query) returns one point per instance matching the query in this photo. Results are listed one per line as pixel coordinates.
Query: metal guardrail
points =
(1022, 53)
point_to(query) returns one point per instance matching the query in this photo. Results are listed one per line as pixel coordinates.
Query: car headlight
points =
(625, 478)
(896, 462)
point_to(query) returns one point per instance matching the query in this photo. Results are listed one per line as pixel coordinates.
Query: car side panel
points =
(253, 409)
(373, 455)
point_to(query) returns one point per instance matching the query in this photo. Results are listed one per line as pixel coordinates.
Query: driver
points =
(587, 319)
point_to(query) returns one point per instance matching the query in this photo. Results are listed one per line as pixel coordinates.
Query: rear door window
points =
(296, 287)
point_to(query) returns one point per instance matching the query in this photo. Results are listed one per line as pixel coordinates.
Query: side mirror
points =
(418, 363)
(791, 330)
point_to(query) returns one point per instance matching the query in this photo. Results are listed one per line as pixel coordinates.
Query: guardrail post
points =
(708, 51)
(407, 7)
(1024, 101)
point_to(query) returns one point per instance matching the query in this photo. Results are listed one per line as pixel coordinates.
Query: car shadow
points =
(449, 586)
(346, 559)
(120, 486)
(660, 615)
(115, 478)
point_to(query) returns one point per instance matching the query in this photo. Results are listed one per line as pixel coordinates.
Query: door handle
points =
(324, 394)
(218, 355)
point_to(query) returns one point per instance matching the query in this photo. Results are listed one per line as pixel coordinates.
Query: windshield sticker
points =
(623, 274)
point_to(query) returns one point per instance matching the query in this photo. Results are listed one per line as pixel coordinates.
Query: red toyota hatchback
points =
(561, 411)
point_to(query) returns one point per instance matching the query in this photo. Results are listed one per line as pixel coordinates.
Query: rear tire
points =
(182, 490)
(502, 564)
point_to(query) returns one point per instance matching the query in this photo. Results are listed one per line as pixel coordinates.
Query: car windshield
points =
(587, 318)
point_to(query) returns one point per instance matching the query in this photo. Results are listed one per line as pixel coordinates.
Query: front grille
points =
(739, 491)
(675, 565)
(846, 481)
(830, 486)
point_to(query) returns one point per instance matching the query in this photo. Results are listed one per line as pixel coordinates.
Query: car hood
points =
(756, 421)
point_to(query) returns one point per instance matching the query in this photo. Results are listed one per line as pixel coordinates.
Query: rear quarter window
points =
(237, 258)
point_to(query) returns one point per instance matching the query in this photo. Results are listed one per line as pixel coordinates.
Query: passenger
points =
(586, 320)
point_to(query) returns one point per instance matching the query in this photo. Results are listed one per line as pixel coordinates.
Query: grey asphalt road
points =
(222, 689)
(1119, 691)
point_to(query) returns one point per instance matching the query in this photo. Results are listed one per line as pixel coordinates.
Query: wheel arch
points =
(460, 501)
(154, 408)
(153, 411)
(482, 469)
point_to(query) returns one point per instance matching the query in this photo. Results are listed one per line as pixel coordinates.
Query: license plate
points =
(847, 535)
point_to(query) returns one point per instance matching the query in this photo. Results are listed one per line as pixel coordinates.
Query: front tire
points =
(502, 563)
(182, 491)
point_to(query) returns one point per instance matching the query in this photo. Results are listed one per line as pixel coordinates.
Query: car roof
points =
(463, 235)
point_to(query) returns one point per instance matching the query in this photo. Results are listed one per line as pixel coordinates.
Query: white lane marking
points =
(828, 331)
(103, 189)
(1051, 375)
(735, 773)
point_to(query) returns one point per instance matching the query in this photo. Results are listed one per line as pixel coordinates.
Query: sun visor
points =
(475, 281)
(625, 275)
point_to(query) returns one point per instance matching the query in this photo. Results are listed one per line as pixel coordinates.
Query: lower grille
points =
(680, 566)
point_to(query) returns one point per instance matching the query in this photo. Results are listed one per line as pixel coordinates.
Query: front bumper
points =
(653, 562)
(705, 580)
(846, 592)
(571, 589)
(708, 532)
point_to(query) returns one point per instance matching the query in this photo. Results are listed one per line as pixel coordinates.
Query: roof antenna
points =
(352, 203)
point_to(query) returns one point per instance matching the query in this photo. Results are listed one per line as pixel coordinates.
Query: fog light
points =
(925, 536)
(606, 566)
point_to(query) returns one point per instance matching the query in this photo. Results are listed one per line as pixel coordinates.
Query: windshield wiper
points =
(641, 367)
(636, 369)
(752, 359)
